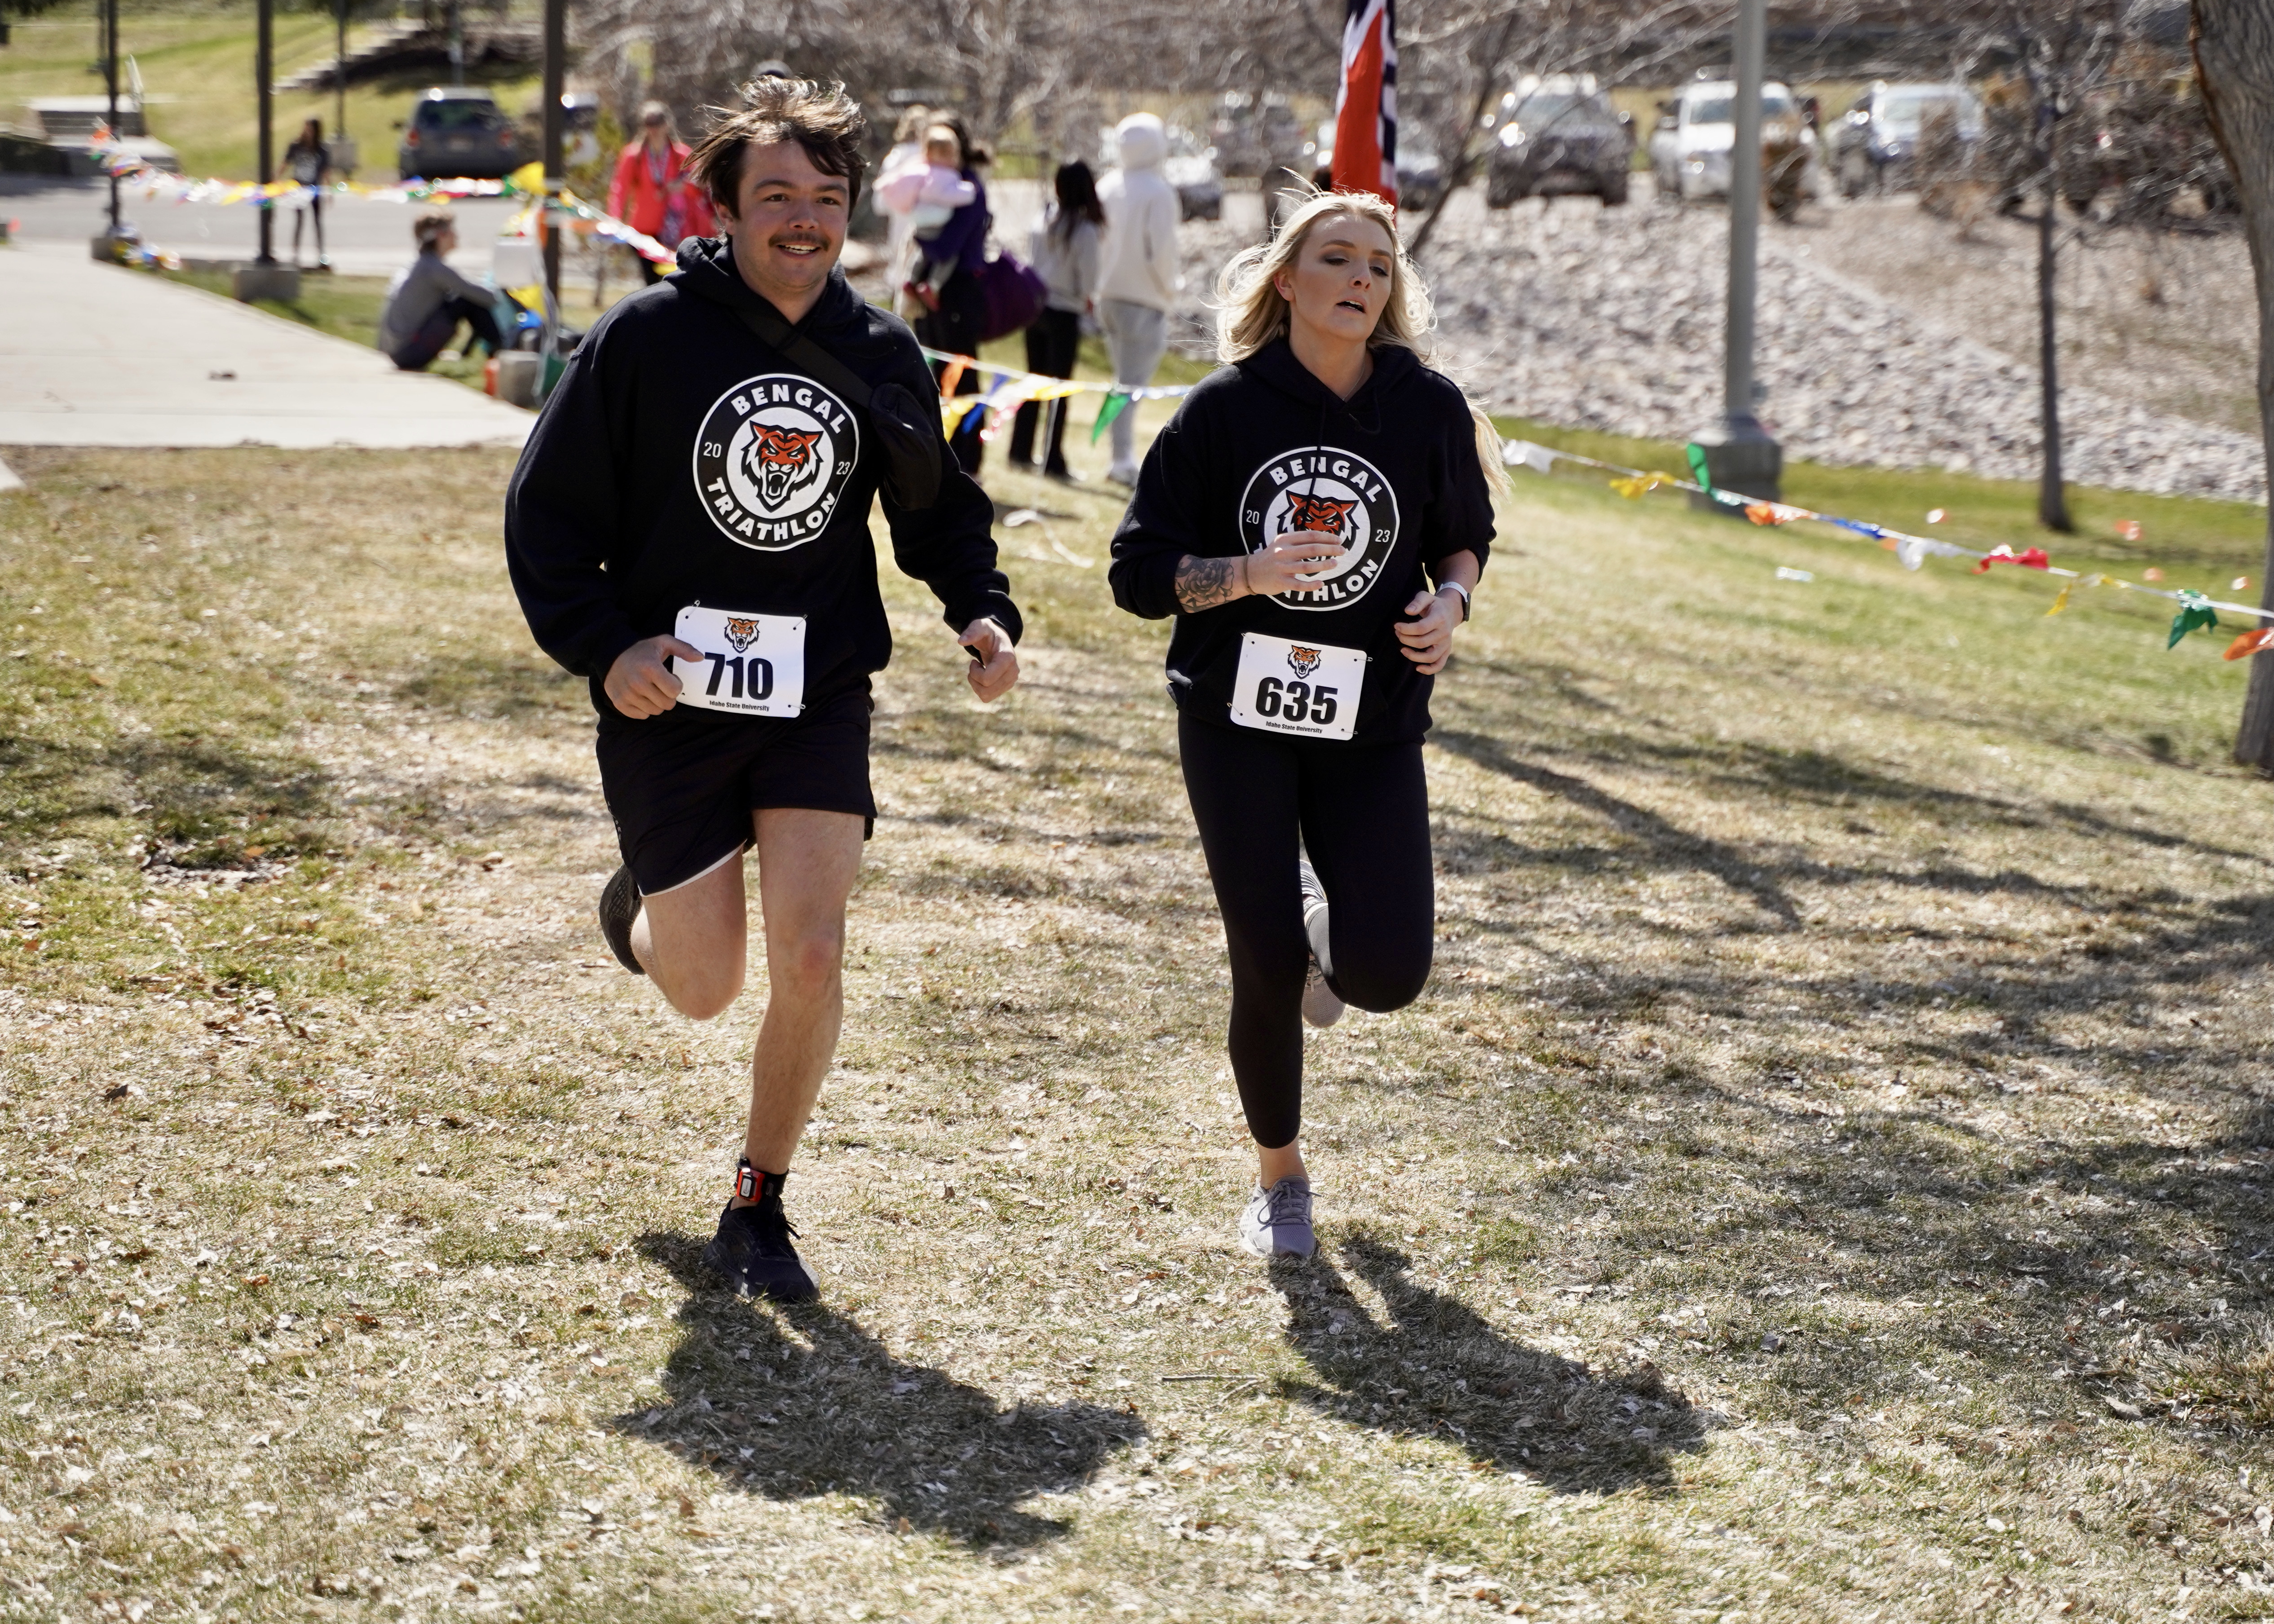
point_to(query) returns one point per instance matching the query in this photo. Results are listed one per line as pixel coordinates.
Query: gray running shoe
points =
(1278, 1221)
(1322, 1006)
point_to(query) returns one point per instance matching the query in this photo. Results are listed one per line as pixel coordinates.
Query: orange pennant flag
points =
(2251, 642)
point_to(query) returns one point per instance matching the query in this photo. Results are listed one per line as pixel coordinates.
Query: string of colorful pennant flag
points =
(1013, 388)
(2197, 612)
(571, 211)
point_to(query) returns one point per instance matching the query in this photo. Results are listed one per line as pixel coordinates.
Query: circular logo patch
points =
(1326, 490)
(773, 457)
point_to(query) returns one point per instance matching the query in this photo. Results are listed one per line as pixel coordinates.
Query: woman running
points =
(1287, 515)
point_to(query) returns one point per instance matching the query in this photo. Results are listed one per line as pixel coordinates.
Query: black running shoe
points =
(752, 1253)
(619, 905)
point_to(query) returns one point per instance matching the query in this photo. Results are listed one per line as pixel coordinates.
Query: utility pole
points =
(556, 50)
(1739, 454)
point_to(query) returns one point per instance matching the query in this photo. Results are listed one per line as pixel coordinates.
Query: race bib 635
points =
(1306, 689)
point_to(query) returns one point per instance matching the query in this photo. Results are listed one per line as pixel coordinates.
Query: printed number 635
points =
(1296, 701)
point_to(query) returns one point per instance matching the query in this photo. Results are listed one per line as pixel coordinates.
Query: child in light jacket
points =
(927, 190)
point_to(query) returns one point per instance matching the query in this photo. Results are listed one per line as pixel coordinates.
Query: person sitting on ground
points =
(928, 191)
(428, 300)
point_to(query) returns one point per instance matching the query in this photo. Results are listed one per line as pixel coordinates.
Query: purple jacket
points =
(964, 237)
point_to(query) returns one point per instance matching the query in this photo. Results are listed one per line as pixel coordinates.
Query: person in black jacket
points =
(1287, 516)
(688, 529)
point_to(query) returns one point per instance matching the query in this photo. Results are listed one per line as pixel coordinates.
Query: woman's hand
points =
(1291, 562)
(1428, 638)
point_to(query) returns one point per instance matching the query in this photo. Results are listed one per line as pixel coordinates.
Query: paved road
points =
(95, 354)
(365, 237)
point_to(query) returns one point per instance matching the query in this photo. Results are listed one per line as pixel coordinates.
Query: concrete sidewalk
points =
(96, 355)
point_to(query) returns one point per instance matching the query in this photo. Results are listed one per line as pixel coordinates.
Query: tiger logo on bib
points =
(741, 633)
(773, 458)
(1302, 661)
(1331, 492)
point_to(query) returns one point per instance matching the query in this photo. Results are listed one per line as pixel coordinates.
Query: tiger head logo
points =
(741, 633)
(779, 462)
(1302, 661)
(1318, 513)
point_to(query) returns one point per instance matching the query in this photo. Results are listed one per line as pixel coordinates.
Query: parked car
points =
(1875, 146)
(1420, 174)
(1690, 149)
(1557, 136)
(1258, 139)
(455, 133)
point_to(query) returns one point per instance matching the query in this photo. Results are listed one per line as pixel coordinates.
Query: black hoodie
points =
(1263, 448)
(662, 473)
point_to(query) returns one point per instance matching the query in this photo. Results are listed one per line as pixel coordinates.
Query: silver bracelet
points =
(1468, 607)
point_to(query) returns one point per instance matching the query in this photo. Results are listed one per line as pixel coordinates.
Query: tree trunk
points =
(2053, 494)
(2234, 44)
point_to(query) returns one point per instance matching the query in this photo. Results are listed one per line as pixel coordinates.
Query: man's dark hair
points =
(821, 118)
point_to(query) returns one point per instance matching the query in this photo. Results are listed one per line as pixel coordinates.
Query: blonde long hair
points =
(1251, 312)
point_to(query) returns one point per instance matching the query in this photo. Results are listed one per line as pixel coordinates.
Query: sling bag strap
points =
(907, 432)
(796, 346)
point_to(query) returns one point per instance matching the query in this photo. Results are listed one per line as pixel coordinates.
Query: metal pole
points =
(264, 69)
(1745, 210)
(339, 76)
(1739, 454)
(111, 85)
(556, 51)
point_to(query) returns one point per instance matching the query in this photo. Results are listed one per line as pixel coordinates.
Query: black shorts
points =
(682, 786)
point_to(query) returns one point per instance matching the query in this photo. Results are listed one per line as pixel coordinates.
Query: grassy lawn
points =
(197, 70)
(1825, 1178)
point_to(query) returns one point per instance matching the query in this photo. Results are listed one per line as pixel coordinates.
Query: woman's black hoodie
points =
(1263, 448)
(682, 460)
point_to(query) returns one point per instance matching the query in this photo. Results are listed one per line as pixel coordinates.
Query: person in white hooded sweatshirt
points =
(1141, 279)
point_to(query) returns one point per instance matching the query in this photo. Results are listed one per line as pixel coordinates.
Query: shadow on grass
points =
(800, 1401)
(1438, 1370)
(202, 799)
(492, 686)
(1671, 845)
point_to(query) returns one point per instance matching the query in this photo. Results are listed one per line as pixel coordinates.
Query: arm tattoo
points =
(1204, 583)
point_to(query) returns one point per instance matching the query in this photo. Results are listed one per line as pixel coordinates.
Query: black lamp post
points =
(264, 69)
(110, 85)
(556, 49)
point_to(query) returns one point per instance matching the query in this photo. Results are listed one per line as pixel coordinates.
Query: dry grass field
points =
(1826, 1179)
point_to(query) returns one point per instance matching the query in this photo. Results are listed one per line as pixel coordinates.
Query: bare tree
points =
(2233, 43)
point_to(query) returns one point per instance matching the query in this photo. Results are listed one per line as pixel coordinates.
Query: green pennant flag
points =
(1698, 470)
(1115, 404)
(2195, 614)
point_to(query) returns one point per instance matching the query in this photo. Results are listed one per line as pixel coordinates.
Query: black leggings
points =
(1362, 812)
(1052, 343)
(955, 327)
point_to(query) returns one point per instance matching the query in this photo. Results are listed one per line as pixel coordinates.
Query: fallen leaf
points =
(2118, 1407)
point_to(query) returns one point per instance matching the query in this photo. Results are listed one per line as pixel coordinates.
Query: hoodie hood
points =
(1143, 142)
(1394, 366)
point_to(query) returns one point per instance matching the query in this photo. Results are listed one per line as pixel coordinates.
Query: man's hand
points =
(994, 662)
(639, 685)
(1428, 640)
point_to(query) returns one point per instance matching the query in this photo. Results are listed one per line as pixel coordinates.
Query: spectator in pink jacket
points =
(652, 191)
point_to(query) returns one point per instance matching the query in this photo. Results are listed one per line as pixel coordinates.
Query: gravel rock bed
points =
(1611, 319)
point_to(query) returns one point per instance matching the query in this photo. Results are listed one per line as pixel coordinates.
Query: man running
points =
(688, 529)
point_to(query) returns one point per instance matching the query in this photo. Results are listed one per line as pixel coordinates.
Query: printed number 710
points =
(760, 672)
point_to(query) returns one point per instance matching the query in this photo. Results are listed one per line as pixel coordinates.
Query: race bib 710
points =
(753, 664)
(1309, 690)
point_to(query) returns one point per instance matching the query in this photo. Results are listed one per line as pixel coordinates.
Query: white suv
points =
(1690, 149)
